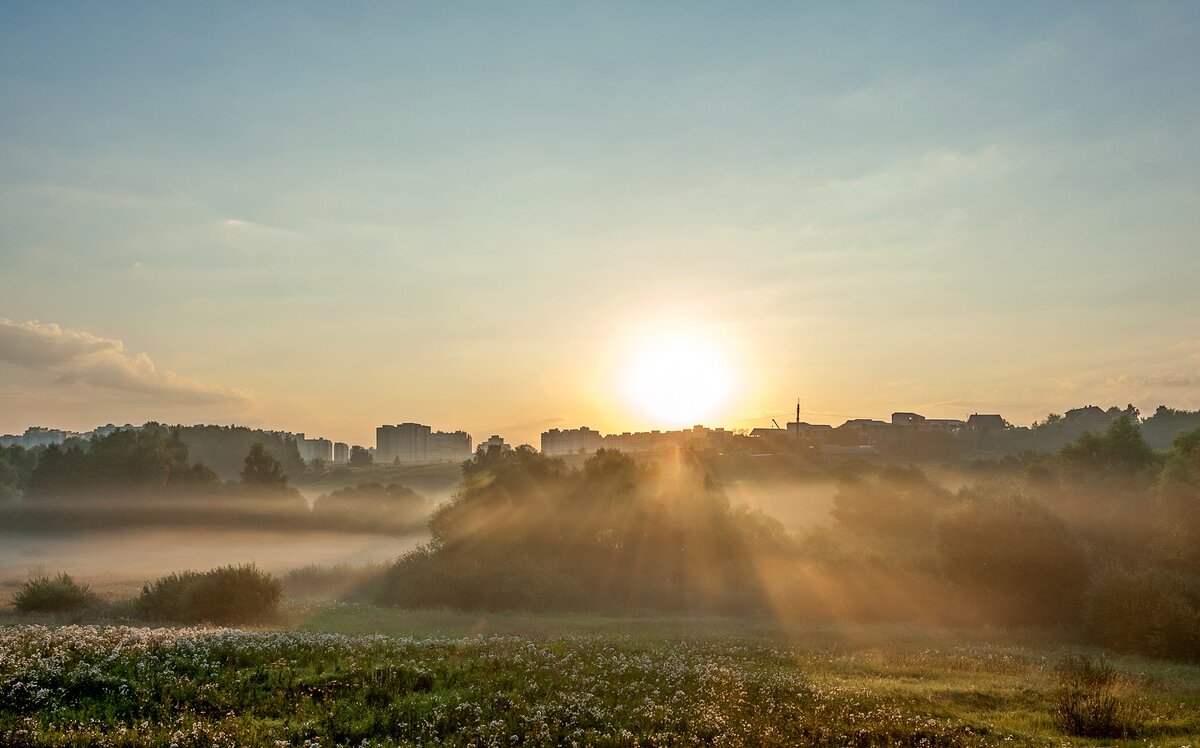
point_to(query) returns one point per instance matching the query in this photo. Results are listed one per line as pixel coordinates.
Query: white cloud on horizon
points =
(78, 356)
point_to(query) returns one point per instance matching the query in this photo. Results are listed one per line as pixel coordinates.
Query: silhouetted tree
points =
(360, 457)
(1161, 428)
(16, 468)
(124, 464)
(1179, 496)
(1121, 448)
(262, 470)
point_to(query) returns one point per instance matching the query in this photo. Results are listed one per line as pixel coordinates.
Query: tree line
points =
(149, 476)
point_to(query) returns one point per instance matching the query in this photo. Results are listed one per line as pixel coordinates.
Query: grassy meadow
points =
(348, 674)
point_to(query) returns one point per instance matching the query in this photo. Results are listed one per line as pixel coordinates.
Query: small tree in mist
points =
(1150, 612)
(1104, 484)
(360, 457)
(16, 467)
(1015, 556)
(524, 532)
(263, 471)
(1179, 501)
(893, 515)
(1120, 450)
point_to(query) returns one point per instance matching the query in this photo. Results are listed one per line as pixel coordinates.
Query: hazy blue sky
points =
(325, 217)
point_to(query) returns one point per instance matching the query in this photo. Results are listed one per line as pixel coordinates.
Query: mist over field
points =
(121, 547)
(117, 562)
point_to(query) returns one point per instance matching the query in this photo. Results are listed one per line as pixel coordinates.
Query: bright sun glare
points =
(678, 380)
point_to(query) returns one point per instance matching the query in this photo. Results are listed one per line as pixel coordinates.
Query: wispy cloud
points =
(1168, 379)
(253, 229)
(77, 356)
(1164, 379)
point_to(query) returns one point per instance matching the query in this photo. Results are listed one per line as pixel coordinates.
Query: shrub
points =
(1088, 700)
(226, 595)
(58, 595)
(1155, 613)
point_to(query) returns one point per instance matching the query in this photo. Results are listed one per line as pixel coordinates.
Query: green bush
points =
(58, 595)
(1155, 613)
(226, 595)
(1088, 700)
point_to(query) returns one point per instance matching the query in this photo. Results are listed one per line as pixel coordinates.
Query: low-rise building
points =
(809, 431)
(37, 436)
(986, 422)
(768, 433)
(867, 429)
(109, 429)
(945, 425)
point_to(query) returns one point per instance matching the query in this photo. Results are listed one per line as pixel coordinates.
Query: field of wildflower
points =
(114, 685)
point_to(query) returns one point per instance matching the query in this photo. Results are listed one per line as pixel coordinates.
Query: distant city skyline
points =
(319, 219)
(423, 442)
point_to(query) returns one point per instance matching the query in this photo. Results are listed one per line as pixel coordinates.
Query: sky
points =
(326, 217)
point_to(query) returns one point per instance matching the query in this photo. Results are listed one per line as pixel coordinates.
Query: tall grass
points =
(1089, 702)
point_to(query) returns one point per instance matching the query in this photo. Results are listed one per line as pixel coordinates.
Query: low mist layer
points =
(119, 562)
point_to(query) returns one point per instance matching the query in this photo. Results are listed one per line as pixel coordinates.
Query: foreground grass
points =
(445, 678)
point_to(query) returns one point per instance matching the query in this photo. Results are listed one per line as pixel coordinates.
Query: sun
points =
(678, 379)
